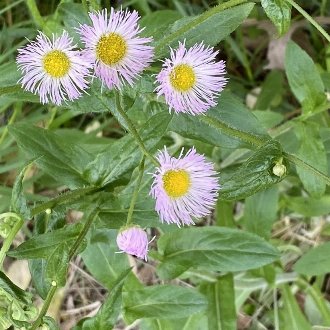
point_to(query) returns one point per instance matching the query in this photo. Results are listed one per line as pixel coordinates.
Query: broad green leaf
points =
(162, 301)
(42, 246)
(156, 23)
(254, 174)
(221, 297)
(216, 248)
(57, 265)
(18, 200)
(37, 269)
(212, 26)
(315, 262)
(124, 154)
(192, 127)
(107, 316)
(271, 91)
(304, 79)
(108, 265)
(51, 323)
(311, 151)
(56, 156)
(279, 12)
(308, 206)
(260, 211)
(292, 317)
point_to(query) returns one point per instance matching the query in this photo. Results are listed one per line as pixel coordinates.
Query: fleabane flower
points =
(184, 188)
(133, 240)
(191, 79)
(53, 68)
(115, 48)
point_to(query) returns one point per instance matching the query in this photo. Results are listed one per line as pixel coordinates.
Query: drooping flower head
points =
(191, 79)
(53, 68)
(184, 188)
(114, 47)
(133, 240)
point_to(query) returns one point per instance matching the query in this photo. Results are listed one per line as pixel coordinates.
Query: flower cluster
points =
(184, 188)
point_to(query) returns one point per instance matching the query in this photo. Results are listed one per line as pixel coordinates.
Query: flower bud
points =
(133, 240)
(279, 169)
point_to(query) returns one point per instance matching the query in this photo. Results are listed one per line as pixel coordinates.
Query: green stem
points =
(9, 239)
(72, 252)
(299, 162)
(134, 131)
(233, 132)
(258, 142)
(310, 19)
(63, 199)
(83, 233)
(10, 89)
(135, 193)
(198, 20)
(44, 308)
(17, 109)
(94, 5)
(318, 299)
(34, 11)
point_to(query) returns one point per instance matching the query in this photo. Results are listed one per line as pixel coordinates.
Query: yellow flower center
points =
(176, 183)
(111, 48)
(56, 63)
(182, 77)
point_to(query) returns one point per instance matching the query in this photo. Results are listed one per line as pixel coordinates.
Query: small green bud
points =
(48, 211)
(279, 169)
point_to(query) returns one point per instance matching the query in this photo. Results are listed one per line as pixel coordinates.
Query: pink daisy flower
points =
(53, 68)
(184, 188)
(114, 47)
(134, 241)
(191, 79)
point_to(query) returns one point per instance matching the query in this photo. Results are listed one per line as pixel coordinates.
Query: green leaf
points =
(42, 246)
(279, 12)
(108, 265)
(212, 26)
(162, 301)
(291, 313)
(216, 248)
(221, 297)
(60, 159)
(37, 269)
(315, 262)
(309, 206)
(255, 173)
(57, 265)
(18, 200)
(304, 79)
(124, 154)
(107, 316)
(193, 127)
(311, 151)
(260, 211)
(51, 323)
(157, 22)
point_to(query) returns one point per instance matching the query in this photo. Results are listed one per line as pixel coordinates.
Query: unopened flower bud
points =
(133, 240)
(279, 169)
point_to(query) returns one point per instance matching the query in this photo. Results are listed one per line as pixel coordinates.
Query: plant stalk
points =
(310, 19)
(72, 252)
(135, 193)
(134, 131)
(9, 240)
(34, 11)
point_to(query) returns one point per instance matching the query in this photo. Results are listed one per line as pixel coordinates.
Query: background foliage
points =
(261, 261)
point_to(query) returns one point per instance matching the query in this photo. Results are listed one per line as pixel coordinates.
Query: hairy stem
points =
(63, 199)
(34, 11)
(134, 131)
(258, 142)
(135, 193)
(310, 19)
(200, 19)
(9, 239)
(72, 252)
